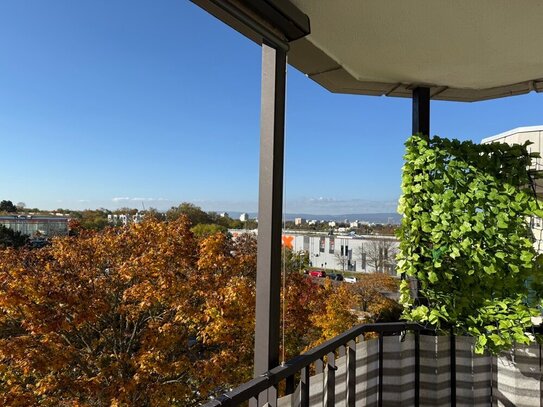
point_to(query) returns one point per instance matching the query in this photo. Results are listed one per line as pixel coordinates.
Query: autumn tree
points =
(301, 300)
(336, 311)
(371, 289)
(99, 319)
(146, 315)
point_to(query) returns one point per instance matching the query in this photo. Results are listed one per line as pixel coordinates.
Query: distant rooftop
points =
(507, 133)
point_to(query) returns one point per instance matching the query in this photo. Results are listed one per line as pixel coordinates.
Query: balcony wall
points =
(513, 379)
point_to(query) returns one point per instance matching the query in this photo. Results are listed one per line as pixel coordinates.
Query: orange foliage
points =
(336, 315)
(370, 289)
(98, 319)
(145, 315)
(304, 299)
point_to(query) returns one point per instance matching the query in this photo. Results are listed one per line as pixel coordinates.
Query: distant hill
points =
(393, 218)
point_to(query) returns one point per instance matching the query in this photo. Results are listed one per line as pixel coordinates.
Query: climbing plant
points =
(465, 238)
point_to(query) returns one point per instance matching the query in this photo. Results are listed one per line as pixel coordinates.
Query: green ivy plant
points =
(466, 239)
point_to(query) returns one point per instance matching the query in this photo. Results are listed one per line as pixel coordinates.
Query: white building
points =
(346, 253)
(365, 254)
(244, 217)
(519, 136)
(355, 224)
(32, 226)
(299, 221)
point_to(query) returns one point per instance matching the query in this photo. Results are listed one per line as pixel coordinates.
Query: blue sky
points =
(114, 103)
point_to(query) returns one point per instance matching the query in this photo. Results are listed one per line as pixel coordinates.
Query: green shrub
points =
(466, 238)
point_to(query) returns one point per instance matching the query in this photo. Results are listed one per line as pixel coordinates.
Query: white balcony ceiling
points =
(463, 50)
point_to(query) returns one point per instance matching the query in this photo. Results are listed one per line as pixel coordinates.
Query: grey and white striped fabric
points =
(518, 377)
(513, 379)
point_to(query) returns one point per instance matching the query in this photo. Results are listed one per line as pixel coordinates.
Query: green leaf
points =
(455, 252)
(526, 256)
(489, 269)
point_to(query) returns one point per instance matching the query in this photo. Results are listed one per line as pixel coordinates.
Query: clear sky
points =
(114, 103)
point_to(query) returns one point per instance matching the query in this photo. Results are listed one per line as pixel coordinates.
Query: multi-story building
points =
(32, 225)
(366, 253)
(520, 135)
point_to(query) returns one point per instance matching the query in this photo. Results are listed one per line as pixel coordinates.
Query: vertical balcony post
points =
(270, 205)
(421, 111)
(421, 124)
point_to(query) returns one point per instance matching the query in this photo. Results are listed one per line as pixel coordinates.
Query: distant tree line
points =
(205, 223)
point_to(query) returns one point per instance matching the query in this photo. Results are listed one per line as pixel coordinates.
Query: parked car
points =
(317, 273)
(336, 277)
(350, 279)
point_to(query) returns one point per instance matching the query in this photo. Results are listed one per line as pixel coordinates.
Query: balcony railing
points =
(402, 364)
(335, 364)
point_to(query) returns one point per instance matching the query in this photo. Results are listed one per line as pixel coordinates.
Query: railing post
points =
(289, 385)
(351, 374)
(494, 381)
(380, 384)
(304, 387)
(453, 368)
(417, 368)
(330, 380)
(270, 201)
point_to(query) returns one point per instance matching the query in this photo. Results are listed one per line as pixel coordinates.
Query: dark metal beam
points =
(276, 22)
(421, 125)
(421, 111)
(270, 208)
(284, 15)
(417, 368)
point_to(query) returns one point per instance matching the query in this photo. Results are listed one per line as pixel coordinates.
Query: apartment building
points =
(520, 135)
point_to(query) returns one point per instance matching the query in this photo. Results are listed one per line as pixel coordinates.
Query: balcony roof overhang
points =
(462, 50)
